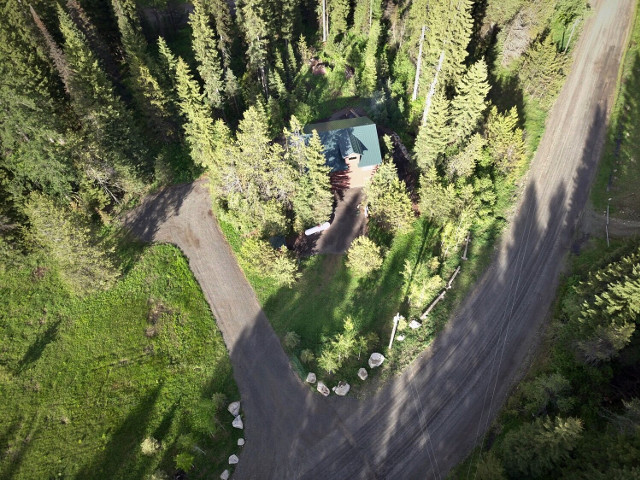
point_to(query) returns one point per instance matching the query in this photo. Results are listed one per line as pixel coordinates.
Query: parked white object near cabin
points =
(318, 228)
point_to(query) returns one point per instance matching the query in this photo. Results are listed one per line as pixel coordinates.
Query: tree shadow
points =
(35, 350)
(145, 221)
(117, 456)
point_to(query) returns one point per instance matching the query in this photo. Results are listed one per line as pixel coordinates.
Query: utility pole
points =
(324, 21)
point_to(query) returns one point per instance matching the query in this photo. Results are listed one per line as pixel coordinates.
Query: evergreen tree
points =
(205, 139)
(146, 90)
(65, 237)
(464, 162)
(369, 75)
(433, 137)
(312, 201)
(542, 71)
(110, 145)
(535, 449)
(338, 12)
(257, 183)
(389, 204)
(224, 26)
(251, 19)
(468, 106)
(364, 257)
(505, 140)
(365, 14)
(206, 52)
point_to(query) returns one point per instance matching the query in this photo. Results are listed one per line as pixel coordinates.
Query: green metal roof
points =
(341, 138)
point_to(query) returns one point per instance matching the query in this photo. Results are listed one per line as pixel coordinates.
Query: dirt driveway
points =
(348, 223)
(425, 421)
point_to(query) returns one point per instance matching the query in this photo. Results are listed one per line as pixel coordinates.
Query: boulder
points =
(414, 324)
(237, 423)
(342, 388)
(311, 378)
(233, 459)
(240, 442)
(225, 475)
(400, 338)
(234, 408)
(323, 389)
(363, 374)
(375, 360)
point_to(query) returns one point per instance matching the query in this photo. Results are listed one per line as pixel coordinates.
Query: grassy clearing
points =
(619, 169)
(85, 380)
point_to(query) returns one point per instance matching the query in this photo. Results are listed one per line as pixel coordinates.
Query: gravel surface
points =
(425, 421)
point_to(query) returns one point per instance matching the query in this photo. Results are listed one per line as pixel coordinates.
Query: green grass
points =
(620, 164)
(83, 384)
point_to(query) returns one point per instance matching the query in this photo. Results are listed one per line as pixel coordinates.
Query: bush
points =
(149, 446)
(261, 258)
(364, 256)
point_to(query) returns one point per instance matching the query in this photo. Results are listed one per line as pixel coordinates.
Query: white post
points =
(324, 20)
(571, 34)
(433, 304)
(396, 319)
(432, 90)
(418, 65)
(466, 246)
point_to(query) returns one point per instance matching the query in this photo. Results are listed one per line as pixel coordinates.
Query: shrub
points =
(364, 256)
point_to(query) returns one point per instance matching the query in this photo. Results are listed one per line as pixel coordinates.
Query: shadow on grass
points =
(119, 454)
(34, 352)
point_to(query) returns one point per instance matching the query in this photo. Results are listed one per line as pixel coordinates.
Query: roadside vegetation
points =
(123, 383)
(577, 412)
(619, 170)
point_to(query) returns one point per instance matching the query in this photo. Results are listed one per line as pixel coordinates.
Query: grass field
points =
(84, 381)
(619, 169)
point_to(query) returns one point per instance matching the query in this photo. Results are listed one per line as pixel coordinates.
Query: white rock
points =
(234, 408)
(225, 475)
(311, 378)
(237, 422)
(400, 338)
(363, 374)
(415, 324)
(323, 389)
(375, 360)
(240, 442)
(342, 388)
(233, 459)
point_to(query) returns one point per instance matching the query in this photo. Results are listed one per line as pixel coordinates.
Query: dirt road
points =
(425, 421)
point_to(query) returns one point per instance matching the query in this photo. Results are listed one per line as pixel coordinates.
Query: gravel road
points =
(425, 421)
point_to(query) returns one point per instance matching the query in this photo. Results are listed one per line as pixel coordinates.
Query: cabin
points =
(351, 147)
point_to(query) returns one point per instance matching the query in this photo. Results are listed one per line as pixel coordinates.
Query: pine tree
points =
(65, 237)
(388, 200)
(203, 136)
(251, 19)
(468, 106)
(464, 162)
(111, 146)
(364, 257)
(365, 14)
(368, 77)
(505, 140)
(312, 201)
(206, 52)
(535, 449)
(257, 183)
(434, 136)
(542, 71)
(147, 92)
(338, 12)
(224, 26)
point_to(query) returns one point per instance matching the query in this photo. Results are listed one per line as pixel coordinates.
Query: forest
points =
(106, 102)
